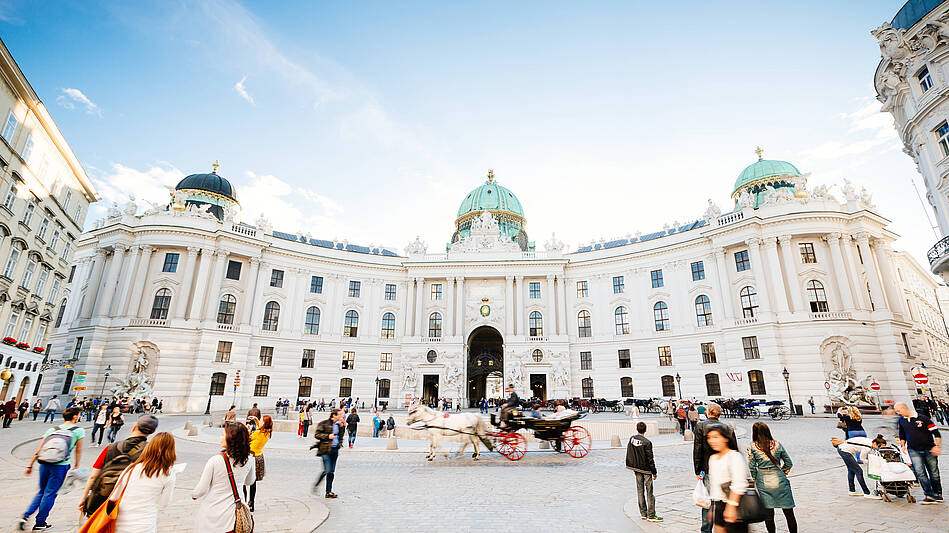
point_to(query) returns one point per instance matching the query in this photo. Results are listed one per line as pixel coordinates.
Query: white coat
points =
(216, 512)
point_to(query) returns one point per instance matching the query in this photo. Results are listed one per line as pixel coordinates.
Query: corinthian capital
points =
(753, 241)
(862, 237)
(784, 239)
(770, 242)
(833, 237)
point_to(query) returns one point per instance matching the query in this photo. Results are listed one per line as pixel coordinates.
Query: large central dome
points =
(210, 189)
(501, 203)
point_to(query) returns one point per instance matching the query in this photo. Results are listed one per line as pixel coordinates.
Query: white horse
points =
(468, 427)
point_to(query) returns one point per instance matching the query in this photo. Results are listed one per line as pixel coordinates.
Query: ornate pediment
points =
(484, 237)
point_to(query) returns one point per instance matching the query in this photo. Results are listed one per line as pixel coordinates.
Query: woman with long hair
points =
(115, 423)
(851, 422)
(216, 512)
(727, 481)
(769, 464)
(102, 417)
(146, 486)
(257, 441)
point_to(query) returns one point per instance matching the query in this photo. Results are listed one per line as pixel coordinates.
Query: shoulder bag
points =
(243, 519)
(105, 517)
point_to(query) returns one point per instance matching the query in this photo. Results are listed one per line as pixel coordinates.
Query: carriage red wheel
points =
(515, 445)
(576, 441)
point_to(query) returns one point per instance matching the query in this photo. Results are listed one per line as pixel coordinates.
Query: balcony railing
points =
(832, 315)
(746, 321)
(153, 322)
(938, 251)
(434, 339)
(539, 338)
(226, 327)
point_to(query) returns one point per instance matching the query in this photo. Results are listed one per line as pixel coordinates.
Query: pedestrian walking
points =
(728, 480)
(377, 424)
(769, 464)
(681, 417)
(230, 416)
(37, 407)
(112, 461)
(851, 422)
(693, 417)
(102, 418)
(390, 426)
(329, 437)
(258, 440)
(24, 407)
(52, 407)
(53, 453)
(640, 459)
(9, 412)
(701, 451)
(234, 464)
(252, 413)
(920, 438)
(307, 419)
(810, 401)
(147, 486)
(352, 423)
(854, 451)
(116, 421)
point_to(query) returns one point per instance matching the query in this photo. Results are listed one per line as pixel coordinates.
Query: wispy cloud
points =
(241, 90)
(71, 98)
(868, 130)
(149, 186)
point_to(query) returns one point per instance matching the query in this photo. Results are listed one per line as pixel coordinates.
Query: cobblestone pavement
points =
(544, 492)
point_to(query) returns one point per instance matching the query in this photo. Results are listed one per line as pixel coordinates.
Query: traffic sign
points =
(78, 388)
(875, 386)
(921, 379)
(827, 385)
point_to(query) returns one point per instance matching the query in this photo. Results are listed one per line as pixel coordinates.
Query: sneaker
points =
(852, 493)
(21, 523)
(655, 518)
(644, 517)
(873, 496)
(939, 499)
(928, 501)
(331, 495)
(44, 527)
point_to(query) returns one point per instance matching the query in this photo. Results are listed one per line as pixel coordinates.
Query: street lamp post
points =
(787, 383)
(299, 382)
(207, 410)
(679, 383)
(108, 370)
(375, 398)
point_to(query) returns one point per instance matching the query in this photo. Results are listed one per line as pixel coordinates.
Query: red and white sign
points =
(875, 386)
(921, 379)
(827, 385)
(734, 376)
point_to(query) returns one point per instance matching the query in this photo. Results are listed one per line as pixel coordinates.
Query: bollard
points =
(207, 421)
(188, 425)
(544, 445)
(193, 432)
(687, 435)
(393, 444)
(615, 442)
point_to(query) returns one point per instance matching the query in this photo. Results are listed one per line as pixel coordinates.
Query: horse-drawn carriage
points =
(563, 435)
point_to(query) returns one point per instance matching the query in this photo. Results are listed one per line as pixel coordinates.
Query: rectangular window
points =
(909, 352)
(586, 360)
(436, 291)
(390, 291)
(587, 386)
(807, 253)
(28, 274)
(354, 289)
(67, 199)
(9, 129)
(665, 356)
(234, 270)
(942, 138)
(266, 356)
(55, 290)
(925, 80)
(10, 200)
(309, 358)
(624, 361)
(742, 263)
(385, 361)
(40, 333)
(28, 214)
(44, 227)
(41, 281)
(708, 353)
(76, 350)
(384, 388)
(25, 329)
(655, 278)
(618, 284)
(72, 273)
(750, 345)
(349, 360)
(11, 263)
(54, 238)
(698, 271)
(582, 290)
(28, 149)
(533, 289)
(276, 278)
(316, 284)
(11, 324)
(223, 354)
(171, 263)
(67, 247)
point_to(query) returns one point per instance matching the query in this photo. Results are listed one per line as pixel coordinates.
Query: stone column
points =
(140, 283)
(876, 290)
(127, 279)
(842, 280)
(892, 287)
(725, 285)
(450, 307)
(853, 270)
(200, 293)
(519, 303)
(92, 288)
(217, 280)
(551, 317)
(104, 302)
(562, 293)
(420, 308)
(188, 266)
(776, 277)
(790, 270)
(408, 317)
(251, 294)
(509, 305)
(761, 285)
(460, 307)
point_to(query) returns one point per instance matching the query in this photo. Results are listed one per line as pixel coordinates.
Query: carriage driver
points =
(507, 410)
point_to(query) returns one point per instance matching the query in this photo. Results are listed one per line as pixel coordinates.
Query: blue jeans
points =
(51, 478)
(706, 523)
(375, 430)
(853, 471)
(926, 468)
(851, 433)
(50, 415)
(329, 469)
(352, 437)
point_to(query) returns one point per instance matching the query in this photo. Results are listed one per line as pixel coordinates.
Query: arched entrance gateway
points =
(485, 365)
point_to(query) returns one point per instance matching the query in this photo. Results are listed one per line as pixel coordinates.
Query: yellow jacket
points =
(257, 441)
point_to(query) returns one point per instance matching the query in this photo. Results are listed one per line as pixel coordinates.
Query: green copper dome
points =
(764, 169)
(490, 197)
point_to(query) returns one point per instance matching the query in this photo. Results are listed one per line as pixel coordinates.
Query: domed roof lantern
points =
(501, 203)
(761, 174)
(209, 189)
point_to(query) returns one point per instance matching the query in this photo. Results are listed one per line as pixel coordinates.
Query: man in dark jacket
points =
(9, 412)
(329, 439)
(640, 460)
(701, 451)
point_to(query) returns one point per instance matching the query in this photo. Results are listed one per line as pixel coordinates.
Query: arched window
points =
(713, 387)
(756, 382)
(62, 311)
(312, 324)
(345, 387)
(587, 386)
(621, 318)
(584, 326)
(536, 324)
(626, 387)
(306, 385)
(703, 311)
(538, 355)
(350, 324)
(271, 316)
(67, 384)
(749, 302)
(384, 387)
(261, 385)
(660, 312)
(160, 305)
(435, 325)
(817, 296)
(668, 386)
(388, 326)
(226, 308)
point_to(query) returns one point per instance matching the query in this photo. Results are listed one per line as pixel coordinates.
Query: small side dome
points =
(211, 183)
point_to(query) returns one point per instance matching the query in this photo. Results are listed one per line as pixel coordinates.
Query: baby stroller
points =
(890, 470)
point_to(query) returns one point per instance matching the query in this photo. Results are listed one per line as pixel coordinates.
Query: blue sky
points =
(371, 121)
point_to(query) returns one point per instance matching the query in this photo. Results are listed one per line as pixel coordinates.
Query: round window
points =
(431, 356)
(538, 356)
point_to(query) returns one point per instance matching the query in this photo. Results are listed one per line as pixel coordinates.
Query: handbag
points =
(104, 518)
(261, 470)
(750, 508)
(243, 519)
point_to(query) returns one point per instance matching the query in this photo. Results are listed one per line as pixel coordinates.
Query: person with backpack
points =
(146, 486)
(112, 461)
(116, 421)
(53, 456)
(640, 459)
(52, 407)
(390, 427)
(352, 422)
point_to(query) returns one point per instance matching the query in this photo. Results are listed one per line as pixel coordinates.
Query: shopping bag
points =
(700, 495)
